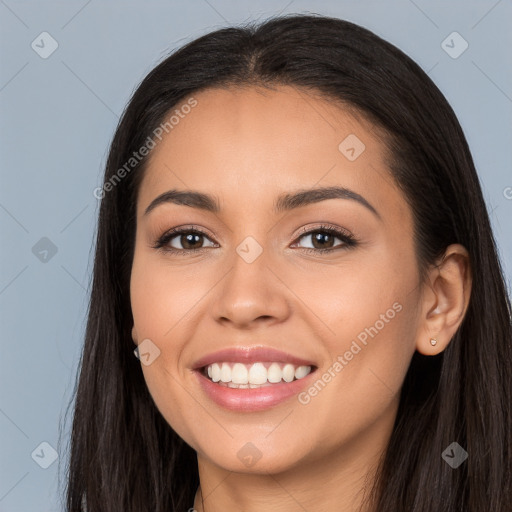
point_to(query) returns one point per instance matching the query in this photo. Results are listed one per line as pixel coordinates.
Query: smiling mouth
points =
(254, 375)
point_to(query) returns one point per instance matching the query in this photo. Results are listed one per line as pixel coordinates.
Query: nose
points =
(251, 294)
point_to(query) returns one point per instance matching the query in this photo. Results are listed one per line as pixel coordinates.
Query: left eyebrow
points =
(284, 202)
(305, 197)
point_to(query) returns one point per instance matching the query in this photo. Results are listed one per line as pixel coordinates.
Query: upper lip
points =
(251, 354)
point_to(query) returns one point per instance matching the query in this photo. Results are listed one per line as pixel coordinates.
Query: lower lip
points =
(255, 399)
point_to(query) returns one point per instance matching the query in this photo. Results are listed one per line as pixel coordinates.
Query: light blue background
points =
(57, 119)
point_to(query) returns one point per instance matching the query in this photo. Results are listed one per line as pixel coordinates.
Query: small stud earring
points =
(433, 342)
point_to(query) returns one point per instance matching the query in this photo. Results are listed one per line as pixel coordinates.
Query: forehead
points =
(257, 142)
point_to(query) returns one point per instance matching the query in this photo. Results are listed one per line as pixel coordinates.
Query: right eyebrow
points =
(191, 198)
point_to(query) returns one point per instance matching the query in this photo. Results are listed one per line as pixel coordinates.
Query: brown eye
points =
(190, 241)
(187, 241)
(182, 240)
(323, 239)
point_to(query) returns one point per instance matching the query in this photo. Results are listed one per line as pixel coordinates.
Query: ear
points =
(134, 335)
(445, 300)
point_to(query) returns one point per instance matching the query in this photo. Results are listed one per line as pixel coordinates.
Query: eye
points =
(191, 239)
(322, 239)
(182, 240)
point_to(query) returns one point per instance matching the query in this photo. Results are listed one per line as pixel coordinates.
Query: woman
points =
(293, 238)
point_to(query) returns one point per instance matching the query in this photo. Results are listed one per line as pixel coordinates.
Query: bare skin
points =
(246, 147)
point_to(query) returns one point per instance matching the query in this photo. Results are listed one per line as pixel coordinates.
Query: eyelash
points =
(347, 238)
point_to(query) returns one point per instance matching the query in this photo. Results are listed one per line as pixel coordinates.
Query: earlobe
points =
(134, 335)
(429, 345)
(445, 300)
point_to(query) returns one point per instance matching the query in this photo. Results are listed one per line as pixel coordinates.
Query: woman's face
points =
(260, 280)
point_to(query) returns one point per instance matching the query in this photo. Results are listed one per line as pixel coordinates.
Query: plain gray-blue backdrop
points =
(67, 70)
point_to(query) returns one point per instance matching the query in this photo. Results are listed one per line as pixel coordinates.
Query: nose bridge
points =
(249, 290)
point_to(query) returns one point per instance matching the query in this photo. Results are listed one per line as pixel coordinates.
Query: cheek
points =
(167, 304)
(370, 321)
(363, 295)
(360, 385)
(163, 299)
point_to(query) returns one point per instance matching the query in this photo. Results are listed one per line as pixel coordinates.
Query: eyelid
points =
(323, 226)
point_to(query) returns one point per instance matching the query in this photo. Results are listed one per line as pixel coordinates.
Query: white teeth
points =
(274, 373)
(302, 371)
(239, 374)
(245, 376)
(257, 374)
(288, 372)
(215, 372)
(225, 373)
(238, 386)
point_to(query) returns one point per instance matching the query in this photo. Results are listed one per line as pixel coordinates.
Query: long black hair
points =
(125, 456)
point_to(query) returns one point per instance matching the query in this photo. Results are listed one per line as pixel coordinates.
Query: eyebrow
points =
(284, 202)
